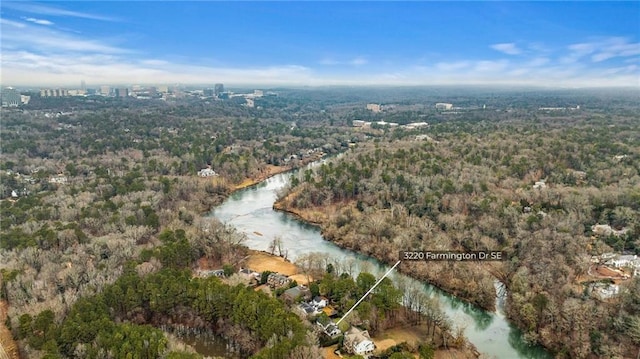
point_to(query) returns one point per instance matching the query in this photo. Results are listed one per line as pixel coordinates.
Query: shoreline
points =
(282, 206)
(273, 170)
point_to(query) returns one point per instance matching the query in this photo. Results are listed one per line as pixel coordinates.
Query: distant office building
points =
(83, 86)
(218, 89)
(11, 97)
(258, 93)
(444, 106)
(163, 89)
(105, 90)
(54, 93)
(122, 92)
(374, 107)
(208, 92)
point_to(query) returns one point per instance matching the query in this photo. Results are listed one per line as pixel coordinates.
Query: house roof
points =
(357, 335)
(295, 292)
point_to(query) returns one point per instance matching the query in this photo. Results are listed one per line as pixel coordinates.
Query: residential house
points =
(539, 185)
(277, 280)
(605, 291)
(293, 294)
(252, 276)
(59, 179)
(319, 302)
(207, 172)
(630, 261)
(328, 327)
(209, 273)
(307, 309)
(358, 342)
(607, 230)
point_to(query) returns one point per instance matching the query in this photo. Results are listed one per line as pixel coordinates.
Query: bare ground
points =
(261, 261)
(8, 347)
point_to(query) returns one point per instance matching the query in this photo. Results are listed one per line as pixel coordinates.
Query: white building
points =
(358, 342)
(444, 106)
(374, 107)
(630, 261)
(414, 125)
(59, 179)
(11, 97)
(207, 172)
(385, 123)
(539, 185)
(361, 123)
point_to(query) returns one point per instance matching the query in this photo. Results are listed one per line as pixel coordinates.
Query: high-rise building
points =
(54, 92)
(122, 92)
(218, 89)
(105, 90)
(83, 86)
(10, 97)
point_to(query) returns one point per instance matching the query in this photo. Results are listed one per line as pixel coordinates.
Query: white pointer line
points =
(367, 293)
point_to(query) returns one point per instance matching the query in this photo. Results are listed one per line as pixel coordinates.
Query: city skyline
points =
(568, 44)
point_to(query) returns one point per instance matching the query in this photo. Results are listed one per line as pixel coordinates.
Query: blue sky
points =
(566, 44)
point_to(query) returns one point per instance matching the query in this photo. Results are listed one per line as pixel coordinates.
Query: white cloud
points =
(328, 61)
(12, 23)
(53, 11)
(452, 66)
(507, 48)
(538, 61)
(45, 39)
(38, 21)
(41, 56)
(491, 66)
(603, 49)
(356, 61)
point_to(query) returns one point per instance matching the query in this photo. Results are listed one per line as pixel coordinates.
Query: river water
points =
(250, 211)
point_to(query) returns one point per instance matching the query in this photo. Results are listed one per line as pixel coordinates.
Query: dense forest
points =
(101, 210)
(476, 185)
(117, 322)
(86, 186)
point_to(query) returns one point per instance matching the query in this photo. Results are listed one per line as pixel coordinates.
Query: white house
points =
(59, 179)
(358, 342)
(626, 261)
(319, 302)
(329, 328)
(207, 172)
(539, 185)
(606, 291)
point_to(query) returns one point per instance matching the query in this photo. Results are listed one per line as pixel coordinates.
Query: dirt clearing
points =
(261, 261)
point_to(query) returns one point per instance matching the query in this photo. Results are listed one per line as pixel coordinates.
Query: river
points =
(250, 211)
